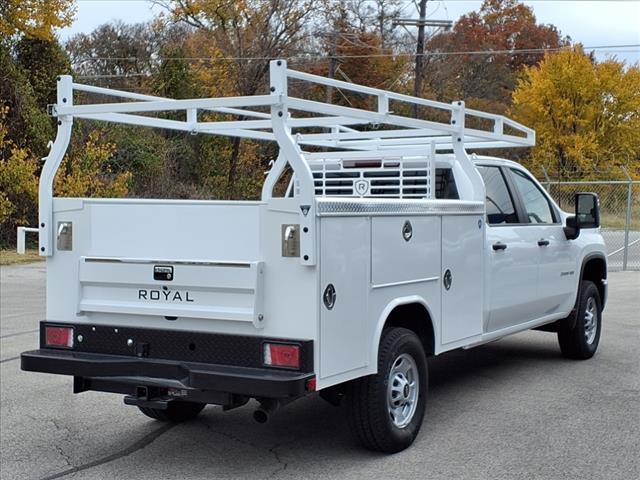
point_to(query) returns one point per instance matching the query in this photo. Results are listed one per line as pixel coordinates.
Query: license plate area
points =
(163, 273)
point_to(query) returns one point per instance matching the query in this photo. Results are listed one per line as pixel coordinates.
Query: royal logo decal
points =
(361, 187)
(165, 295)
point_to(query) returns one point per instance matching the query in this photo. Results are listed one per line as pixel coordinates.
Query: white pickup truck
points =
(391, 244)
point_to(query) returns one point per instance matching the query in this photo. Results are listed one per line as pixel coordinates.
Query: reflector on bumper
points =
(58, 336)
(281, 355)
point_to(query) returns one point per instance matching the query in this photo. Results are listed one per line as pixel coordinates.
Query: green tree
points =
(42, 61)
(28, 125)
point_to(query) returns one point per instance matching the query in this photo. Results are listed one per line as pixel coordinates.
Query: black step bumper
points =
(247, 381)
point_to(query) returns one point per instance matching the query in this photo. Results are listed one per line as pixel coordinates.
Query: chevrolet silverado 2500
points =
(391, 243)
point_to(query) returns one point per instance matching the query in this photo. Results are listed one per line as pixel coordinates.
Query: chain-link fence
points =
(619, 216)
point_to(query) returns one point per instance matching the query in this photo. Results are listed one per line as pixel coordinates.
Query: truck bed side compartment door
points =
(462, 267)
(344, 268)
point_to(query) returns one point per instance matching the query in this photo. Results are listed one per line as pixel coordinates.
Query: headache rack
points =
(377, 150)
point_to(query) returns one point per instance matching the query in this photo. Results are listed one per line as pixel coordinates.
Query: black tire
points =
(367, 398)
(577, 337)
(176, 411)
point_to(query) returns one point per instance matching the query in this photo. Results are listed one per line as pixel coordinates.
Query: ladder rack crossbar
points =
(313, 123)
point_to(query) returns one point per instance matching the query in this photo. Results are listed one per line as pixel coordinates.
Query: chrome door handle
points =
(289, 232)
(543, 243)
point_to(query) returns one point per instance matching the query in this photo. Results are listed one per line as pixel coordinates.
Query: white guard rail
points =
(21, 238)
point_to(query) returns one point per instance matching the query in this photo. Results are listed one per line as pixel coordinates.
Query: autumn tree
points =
(374, 17)
(359, 43)
(35, 18)
(18, 184)
(586, 114)
(122, 55)
(86, 170)
(240, 38)
(494, 38)
(28, 51)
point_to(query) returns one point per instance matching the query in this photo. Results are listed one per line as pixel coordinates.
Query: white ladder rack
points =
(294, 123)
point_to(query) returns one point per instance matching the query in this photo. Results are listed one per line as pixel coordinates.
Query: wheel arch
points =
(412, 313)
(594, 268)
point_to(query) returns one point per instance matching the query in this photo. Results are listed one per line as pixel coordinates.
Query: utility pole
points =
(333, 55)
(333, 63)
(421, 23)
(332, 37)
(417, 83)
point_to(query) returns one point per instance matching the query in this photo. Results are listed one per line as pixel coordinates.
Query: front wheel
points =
(385, 410)
(580, 341)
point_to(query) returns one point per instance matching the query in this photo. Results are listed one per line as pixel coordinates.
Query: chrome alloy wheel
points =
(590, 321)
(403, 390)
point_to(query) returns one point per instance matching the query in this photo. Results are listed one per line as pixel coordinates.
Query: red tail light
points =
(59, 337)
(281, 355)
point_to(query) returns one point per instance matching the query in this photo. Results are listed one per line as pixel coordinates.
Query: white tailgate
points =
(222, 291)
(108, 274)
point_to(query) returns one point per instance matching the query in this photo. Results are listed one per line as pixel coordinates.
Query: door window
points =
(535, 203)
(500, 209)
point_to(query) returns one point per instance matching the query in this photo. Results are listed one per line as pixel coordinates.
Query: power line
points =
(635, 47)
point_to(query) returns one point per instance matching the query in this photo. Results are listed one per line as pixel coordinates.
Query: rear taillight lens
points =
(281, 355)
(59, 337)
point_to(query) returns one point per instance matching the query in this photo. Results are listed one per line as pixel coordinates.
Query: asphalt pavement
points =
(512, 409)
(615, 241)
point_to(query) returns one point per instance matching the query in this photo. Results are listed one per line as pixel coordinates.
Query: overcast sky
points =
(594, 23)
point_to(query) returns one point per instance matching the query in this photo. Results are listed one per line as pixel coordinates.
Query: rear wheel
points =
(176, 411)
(385, 410)
(581, 340)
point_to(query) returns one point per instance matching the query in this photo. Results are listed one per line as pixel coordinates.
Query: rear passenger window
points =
(500, 209)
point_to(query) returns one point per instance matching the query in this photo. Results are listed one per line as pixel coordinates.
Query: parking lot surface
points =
(512, 409)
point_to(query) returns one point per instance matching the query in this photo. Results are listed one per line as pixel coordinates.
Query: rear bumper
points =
(122, 370)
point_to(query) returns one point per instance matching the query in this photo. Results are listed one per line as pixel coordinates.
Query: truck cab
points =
(532, 269)
(392, 243)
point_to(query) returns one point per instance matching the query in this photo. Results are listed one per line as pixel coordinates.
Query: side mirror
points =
(587, 215)
(587, 210)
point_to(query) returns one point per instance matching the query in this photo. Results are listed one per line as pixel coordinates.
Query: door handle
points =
(499, 246)
(543, 243)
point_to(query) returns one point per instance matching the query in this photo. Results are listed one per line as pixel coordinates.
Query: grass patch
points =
(11, 257)
(618, 222)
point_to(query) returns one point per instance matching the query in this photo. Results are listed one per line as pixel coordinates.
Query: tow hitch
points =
(148, 397)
